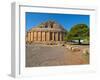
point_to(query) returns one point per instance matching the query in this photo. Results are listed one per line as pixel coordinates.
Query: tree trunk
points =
(79, 41)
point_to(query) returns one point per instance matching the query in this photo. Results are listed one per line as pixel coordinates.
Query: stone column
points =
(35, 36)
(60, 36)
(47, 36)
(29, 36)
(53, 36)
(39, 36)
(43, 36)
(56, 36)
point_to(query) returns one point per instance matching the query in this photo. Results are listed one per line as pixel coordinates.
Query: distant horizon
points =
(65, 20)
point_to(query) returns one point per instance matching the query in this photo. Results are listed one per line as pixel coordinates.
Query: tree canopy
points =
(79, 32)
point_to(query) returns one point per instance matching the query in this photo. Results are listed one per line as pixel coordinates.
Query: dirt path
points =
(38, 55)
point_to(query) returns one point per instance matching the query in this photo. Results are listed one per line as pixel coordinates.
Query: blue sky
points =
(66, 20)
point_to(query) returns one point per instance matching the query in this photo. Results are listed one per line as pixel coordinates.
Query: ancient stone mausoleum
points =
(49, 31)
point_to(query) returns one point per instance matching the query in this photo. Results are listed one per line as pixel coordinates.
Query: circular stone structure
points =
(49, 31)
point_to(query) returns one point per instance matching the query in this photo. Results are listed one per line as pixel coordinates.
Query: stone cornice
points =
(47, 29)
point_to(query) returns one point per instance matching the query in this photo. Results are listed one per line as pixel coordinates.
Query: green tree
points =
(78, 32)
(65, 36)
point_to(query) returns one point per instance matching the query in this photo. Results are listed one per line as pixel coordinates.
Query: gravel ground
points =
(52, 55)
